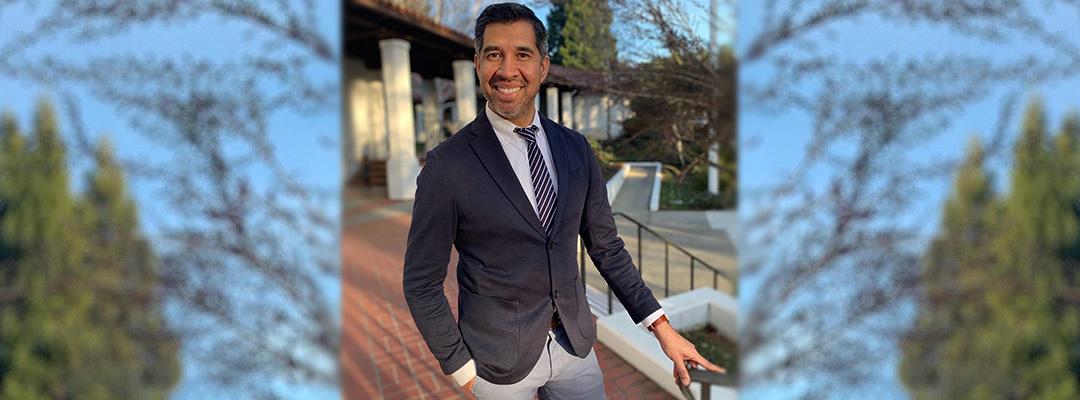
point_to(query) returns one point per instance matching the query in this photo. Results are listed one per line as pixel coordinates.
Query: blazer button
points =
(556, 293)
(551, 245)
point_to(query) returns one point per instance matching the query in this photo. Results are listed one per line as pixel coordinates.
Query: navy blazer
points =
(510, 275)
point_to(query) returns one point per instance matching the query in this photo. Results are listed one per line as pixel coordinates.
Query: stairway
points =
(374, 172)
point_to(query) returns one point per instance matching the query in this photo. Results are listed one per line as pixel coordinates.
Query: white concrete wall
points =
(685, 311)
(597, 115)
(566, 109)
(619, 111)
(590, 118)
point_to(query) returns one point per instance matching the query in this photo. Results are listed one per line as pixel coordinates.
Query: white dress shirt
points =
(517, 152)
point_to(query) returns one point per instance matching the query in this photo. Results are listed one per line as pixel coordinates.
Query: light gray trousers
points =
(556, 375)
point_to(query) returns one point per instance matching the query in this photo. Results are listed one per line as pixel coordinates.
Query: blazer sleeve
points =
(427, 256)
(608, 251)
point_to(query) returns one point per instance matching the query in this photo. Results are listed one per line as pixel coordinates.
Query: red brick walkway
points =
(377, 329)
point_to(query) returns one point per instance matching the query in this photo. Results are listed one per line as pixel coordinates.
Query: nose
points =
(506, 69)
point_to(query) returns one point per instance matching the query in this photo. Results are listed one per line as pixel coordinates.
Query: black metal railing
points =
(668, 244)
(707, 379)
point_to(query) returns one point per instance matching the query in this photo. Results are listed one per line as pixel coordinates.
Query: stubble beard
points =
(511, 113)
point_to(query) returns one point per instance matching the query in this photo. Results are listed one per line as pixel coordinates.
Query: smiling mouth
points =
(509, 90)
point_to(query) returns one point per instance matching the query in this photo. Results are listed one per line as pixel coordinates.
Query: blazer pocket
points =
(585, 323)
(490, 327)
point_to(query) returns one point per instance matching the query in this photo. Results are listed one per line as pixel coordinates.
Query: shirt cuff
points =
(464, 374)
(648, 321)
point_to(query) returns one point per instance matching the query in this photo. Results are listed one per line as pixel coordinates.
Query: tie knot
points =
(528, 133)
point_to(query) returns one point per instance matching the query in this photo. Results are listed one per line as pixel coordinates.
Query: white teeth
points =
(509, 90)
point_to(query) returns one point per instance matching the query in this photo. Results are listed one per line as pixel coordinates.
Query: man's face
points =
(511, 69)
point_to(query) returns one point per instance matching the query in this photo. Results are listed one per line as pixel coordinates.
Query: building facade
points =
(408, 83)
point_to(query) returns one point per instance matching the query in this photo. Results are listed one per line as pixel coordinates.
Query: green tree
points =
(1066, 181)
(44, 323)
(1034, 336)
(942, 358)
(556, 20)
(12, 147)
(12, 154)
(1066, 166)
(586, 37)
(139, 346)
(79, 314)
(1006, 331)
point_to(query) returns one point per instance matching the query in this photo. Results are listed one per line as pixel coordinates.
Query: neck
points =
(523, 120)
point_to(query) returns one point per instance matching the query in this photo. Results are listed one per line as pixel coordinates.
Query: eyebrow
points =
(488, 49)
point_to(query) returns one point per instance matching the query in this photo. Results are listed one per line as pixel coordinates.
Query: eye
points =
(523, 55)
(493, 56)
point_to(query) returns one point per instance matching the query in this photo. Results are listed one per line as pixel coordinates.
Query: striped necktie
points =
(545, 191)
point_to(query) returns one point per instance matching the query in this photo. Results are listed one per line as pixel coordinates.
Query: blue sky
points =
(307, 145)
(771, 144)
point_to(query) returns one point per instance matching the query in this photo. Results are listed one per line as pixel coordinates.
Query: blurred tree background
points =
(80, 302)
(999, 312)
(681, 87)
(859, 283)
(227, 269)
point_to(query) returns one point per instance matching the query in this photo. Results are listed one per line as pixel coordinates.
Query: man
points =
(512, 191)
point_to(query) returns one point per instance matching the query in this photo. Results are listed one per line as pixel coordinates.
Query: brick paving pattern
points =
(382, 353)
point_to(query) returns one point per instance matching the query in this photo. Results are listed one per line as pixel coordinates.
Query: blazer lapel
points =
(487, 148)
(558, 147)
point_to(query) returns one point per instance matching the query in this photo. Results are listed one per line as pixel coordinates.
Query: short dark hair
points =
(506, 13)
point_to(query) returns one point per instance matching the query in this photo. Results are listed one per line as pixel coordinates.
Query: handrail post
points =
(609, 299)
(640, 260)
(691, 273)
(667, 284)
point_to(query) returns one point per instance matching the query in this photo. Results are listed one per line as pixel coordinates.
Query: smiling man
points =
(511, 192)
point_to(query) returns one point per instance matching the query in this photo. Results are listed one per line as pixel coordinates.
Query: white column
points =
(364, 119)
(567, 118)
(714, 173)
(577, 116)
(350, 142)
(552, 93)
(465, 90)
(714, 60)
(430, 107)
(605, 111)
(402, 166)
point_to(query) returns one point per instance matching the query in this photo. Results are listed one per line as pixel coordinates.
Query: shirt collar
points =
(504, 127)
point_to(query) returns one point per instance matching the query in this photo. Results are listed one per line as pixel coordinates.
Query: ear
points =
(544, 65)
